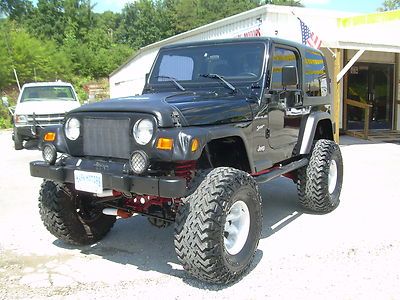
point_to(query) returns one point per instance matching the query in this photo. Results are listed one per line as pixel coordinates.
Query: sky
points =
(361, 6)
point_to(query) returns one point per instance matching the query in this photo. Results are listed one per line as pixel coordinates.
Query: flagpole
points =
(329, 49)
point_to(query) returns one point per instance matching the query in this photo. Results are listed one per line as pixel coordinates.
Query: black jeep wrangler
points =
(215, 119)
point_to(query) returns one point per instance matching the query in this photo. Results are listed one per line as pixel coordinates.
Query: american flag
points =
(309, 37)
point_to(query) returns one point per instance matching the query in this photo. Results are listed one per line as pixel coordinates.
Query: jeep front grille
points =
(106, 137)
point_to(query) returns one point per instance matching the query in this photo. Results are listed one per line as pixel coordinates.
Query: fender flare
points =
(60, 142)
(184, 135)
(310, 127)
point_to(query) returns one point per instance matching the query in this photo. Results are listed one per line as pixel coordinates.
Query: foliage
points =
(34, 59)
(285, 2)
(390, 5)
(5, 118)
(15, 9)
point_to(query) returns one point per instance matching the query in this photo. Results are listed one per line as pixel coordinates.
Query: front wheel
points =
(320, 182)
(71, 216)
(18, 141)
(218, 227)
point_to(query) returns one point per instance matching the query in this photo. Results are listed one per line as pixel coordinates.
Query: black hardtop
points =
(265, 39)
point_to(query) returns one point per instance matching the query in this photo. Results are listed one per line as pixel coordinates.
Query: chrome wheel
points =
(237, 226)
(332, 176)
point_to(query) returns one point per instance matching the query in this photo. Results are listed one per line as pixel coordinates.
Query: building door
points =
(371, 84)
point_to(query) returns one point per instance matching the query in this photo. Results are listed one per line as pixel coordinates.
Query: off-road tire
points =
(18, 141)
(200, 221)
(312, 182)
(58, 210)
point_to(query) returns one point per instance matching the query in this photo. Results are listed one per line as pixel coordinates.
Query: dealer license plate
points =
(90, 182)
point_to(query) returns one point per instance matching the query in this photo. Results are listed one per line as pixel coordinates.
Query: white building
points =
(361, 51)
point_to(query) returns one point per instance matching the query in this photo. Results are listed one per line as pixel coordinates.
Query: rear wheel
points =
(320, 182)
(71, 216)
(218, 227)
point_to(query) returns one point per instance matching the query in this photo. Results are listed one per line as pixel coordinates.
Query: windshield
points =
(187, 65)
(48, 93)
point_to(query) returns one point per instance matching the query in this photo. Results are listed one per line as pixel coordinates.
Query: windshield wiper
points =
(226, 83)
(172, 79)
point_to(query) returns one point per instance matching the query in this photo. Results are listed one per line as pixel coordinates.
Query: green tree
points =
(51, 19)
(390, 5)
(15, 9)
(32, 58)
(142, 23)
(189, 14)
(6, 66)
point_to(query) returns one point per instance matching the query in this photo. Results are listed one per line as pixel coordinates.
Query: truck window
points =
(315, 75)
(282, 57)
(48, 93)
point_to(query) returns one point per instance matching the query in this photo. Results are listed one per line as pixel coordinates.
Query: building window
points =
(315, 75)
(282, 58)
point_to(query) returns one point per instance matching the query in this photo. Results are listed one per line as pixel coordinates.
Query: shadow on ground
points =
(136, 242)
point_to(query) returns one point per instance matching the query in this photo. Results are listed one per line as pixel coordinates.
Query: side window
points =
(316, 81)
(281, 58)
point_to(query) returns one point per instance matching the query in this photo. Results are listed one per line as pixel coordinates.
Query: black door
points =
(276, 126)
(371, 84)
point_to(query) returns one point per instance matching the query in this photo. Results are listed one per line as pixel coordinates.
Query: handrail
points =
(366, 108)
(357, 104)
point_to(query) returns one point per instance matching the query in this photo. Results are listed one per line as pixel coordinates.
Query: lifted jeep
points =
(215, 119)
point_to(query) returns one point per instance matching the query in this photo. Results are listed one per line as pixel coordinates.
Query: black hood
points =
(193, 108)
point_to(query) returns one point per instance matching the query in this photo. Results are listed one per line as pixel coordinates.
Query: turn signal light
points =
(165, 143)
(195, 145)
(50, 136)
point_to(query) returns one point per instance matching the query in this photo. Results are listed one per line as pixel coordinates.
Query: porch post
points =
(396, 91)
(336, 92)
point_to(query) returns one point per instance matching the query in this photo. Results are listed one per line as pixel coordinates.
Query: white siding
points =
(130, 79)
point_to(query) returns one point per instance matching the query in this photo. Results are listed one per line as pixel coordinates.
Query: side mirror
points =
(4, 100)
(289, 76)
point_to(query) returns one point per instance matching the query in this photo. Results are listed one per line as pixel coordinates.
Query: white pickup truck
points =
(41, 104)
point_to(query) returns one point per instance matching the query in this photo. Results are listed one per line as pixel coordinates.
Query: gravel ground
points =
(351, 253)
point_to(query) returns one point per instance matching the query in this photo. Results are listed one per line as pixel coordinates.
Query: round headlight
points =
(143, 131)
(72, 129)
(139, 162)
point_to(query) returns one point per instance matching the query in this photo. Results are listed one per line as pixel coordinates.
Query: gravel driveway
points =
(351, 253)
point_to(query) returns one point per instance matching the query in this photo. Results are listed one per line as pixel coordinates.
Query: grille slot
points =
(105, 137)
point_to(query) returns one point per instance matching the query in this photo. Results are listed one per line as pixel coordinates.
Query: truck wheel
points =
(218, 226)
(320, 182)
(18, 141)
(70, 216)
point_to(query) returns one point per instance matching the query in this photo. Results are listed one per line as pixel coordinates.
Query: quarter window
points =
(282, 57)
(315, 75)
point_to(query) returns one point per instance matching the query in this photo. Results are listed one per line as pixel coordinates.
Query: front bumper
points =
(167, 187)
